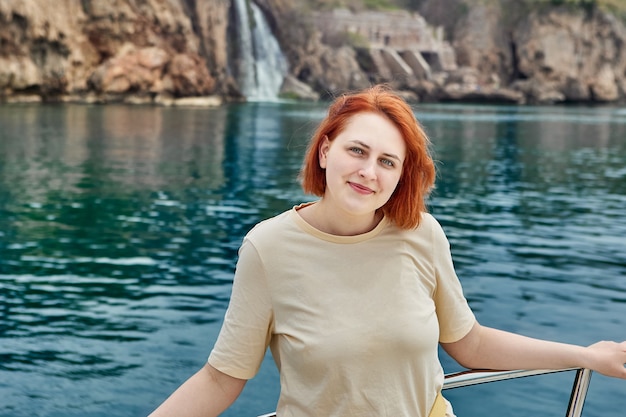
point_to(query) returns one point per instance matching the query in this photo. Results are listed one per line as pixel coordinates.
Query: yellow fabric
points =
(353, 322)
(439, 407)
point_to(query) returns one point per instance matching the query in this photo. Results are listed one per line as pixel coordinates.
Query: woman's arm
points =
(207, 393)
(488, 348)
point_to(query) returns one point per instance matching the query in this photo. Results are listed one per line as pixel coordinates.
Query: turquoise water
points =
(119, 228)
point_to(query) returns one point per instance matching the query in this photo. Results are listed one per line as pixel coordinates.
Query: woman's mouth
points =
(361, 189)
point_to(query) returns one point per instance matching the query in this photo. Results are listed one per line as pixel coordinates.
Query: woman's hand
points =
(608, 358)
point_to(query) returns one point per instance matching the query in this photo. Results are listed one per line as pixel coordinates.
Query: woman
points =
(354, 292)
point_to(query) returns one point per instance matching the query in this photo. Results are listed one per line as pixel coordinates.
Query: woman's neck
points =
(336, 223)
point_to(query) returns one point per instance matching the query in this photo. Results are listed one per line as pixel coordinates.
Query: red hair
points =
(407, 203)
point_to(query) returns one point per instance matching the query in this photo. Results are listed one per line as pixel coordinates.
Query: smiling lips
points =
(361, 189)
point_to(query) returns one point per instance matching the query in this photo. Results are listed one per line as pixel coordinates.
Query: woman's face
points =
(363, 164)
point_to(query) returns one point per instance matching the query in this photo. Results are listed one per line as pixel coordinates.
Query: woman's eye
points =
(387, 162)
(356, 150)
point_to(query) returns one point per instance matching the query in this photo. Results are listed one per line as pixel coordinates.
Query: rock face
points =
(581, 57)
(110, 49)
(549, 55)
(162, 50)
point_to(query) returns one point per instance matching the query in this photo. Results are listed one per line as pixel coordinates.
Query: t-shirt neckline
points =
(306, 227)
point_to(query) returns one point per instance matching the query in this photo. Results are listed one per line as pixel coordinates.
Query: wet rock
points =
(294, 88)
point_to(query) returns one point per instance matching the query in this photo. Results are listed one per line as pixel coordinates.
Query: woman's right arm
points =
(206, 394)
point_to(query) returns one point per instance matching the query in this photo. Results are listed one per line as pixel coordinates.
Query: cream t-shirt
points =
(353, 322)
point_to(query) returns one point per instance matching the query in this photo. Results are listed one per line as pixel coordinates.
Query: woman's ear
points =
(323, 151)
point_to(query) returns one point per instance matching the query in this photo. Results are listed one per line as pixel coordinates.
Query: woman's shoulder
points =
(427, 224)
(428, 220)
(272, 227)
(429, 229)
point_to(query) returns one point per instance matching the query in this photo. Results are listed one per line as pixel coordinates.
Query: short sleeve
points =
(246, 331)
(455, 317)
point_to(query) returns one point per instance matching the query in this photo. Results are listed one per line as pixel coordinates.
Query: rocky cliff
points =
(161, 51)
(112, 50)
(548, 54)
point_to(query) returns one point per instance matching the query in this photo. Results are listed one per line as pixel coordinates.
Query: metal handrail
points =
(477, 376)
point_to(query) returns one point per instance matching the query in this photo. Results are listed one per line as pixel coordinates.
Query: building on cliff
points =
(404, 41)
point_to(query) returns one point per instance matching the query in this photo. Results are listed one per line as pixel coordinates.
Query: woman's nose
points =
(368, 169)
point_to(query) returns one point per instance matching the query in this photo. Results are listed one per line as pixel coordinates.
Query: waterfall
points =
(262, 65)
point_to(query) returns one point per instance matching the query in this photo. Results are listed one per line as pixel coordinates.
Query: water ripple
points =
(120, 226)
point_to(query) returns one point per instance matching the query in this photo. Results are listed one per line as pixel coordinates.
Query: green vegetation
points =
(354, 4)
(614, 4)
(289, 96)
(356, 40)
(352, 39)
(617, 7)
(379, 4)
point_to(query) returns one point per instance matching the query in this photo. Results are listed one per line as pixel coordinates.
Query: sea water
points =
(119, 230)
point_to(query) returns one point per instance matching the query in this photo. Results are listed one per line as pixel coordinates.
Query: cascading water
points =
(262, 65)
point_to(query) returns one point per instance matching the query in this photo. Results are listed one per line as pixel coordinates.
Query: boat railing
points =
(477, 376)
